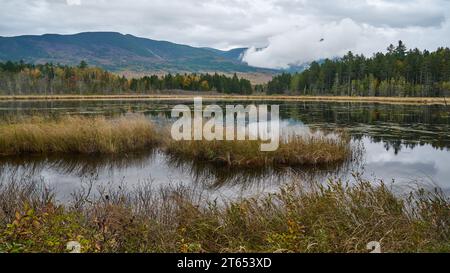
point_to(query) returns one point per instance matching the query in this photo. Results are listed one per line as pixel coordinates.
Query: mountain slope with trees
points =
(117, 52)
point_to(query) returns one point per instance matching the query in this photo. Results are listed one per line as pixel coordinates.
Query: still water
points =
(407, 144)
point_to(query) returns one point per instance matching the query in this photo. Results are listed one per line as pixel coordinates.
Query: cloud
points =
(396, 13)
(306, 44)
(364, 27)
(289, 30)
(328, 40)
(317, 41)
(73, 2)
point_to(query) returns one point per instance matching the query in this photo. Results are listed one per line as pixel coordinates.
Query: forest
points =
(398, 72)
(19, 78)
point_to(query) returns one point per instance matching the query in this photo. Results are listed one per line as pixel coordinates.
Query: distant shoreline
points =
(385, 100)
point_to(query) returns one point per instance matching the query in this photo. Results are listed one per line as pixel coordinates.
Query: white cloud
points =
(328, 40)
(289, 29)
(305, 44)
(73, 2)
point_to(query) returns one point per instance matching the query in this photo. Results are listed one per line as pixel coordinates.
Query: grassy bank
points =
(331, 217)
(76, 134)
(89, 135)
(386, 100)
(293, 151)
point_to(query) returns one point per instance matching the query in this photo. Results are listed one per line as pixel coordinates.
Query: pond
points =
(407, 144)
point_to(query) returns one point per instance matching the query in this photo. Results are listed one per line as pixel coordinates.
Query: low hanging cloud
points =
(303, 45)
(313, 42)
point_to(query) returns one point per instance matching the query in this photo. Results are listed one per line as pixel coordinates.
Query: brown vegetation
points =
(293, 151)
(312, 217)
(76, 134)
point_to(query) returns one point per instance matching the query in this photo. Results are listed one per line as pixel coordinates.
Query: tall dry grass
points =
(88, 135)
(293, 151)
(76, 134)
(313, 217)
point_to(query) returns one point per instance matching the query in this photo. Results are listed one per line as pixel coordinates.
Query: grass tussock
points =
(293, 151)
(331, 217)
(89, 135)
(76, 134)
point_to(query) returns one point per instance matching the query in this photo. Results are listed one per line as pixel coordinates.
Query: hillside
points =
(117, 52)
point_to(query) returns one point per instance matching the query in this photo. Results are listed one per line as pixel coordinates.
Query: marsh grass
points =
(72, 135)
(76, 134)
(292, 151)
(300, 217)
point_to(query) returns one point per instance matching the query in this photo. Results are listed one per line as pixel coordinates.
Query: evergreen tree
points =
(398, 72)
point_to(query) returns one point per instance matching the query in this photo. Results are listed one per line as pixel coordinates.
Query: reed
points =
(293, 151)
(77, 134)
(301, 217)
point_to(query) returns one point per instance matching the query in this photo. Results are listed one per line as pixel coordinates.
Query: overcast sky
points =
(290, 31)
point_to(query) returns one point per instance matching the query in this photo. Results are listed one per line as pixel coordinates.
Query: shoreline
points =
(384, 100)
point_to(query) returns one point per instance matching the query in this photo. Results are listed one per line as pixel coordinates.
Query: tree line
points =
(398, 72)
(23, 78)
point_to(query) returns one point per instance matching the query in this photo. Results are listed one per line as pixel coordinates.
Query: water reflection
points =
(401, 142)
(75, 165)
(66, 173)
(213, 177)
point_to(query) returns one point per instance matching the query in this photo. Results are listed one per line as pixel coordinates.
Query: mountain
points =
(298, 68)
(234, 54)
(117, 52)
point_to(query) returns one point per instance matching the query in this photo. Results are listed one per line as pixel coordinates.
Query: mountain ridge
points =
(123, 52)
